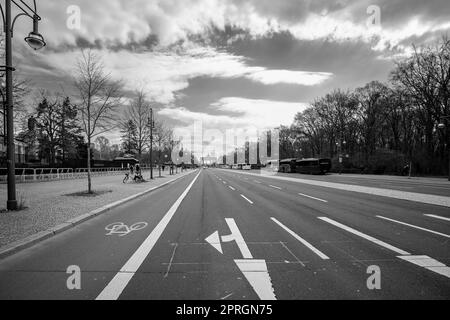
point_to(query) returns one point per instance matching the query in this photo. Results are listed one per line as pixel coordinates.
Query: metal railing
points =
(24, 175)
(51, 174)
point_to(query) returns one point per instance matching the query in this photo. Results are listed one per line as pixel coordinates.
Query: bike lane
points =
(98, 247)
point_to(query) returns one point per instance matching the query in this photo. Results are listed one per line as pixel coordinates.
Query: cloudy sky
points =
(230, 62)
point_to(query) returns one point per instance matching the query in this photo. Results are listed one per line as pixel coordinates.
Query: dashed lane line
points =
(414, 226)
(248, 200)
(303, 241)
(307, 196)
(437, 217)
(365, 236)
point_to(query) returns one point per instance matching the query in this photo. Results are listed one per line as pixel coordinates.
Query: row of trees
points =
(60, 131)
(381, 127)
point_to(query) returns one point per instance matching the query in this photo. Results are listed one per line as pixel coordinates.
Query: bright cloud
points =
(247, 113)
(163, 73)
(121, 22)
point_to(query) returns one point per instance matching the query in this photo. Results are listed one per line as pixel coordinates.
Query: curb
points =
(30, 241)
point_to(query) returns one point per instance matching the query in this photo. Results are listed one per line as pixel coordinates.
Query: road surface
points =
(221, 234)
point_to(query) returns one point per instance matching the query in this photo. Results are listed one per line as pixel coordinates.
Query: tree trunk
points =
(89, 164)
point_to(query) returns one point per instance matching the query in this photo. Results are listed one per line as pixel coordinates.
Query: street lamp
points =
(36, 41)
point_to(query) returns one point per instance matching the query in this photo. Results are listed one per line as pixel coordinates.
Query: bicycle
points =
(126, 178)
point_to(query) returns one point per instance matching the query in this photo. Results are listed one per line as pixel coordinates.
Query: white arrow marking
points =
(255, 271)
(238, 238)
(214, 240)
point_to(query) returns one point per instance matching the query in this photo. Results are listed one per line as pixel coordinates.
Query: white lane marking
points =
(437, 217)
(116, 286)
(275, 187)
(303, 241)
(257, 181)
(237, 237)
(224, 182)
(428, 263)
(305, 195)
(415, 227)
(365, 236)
(250, 201)
(256, 273)
(232, 188)
(214, 240)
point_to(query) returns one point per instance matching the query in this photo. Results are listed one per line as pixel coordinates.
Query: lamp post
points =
(340, 154)
(442, 126)
(151, 123)
(35, 41)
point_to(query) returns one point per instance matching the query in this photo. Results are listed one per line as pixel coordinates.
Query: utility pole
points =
(151, 123)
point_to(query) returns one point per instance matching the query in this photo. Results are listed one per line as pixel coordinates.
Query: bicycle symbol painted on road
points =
(122, 229)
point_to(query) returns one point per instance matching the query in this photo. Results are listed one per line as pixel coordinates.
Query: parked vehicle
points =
(313, 166)
(287, 165)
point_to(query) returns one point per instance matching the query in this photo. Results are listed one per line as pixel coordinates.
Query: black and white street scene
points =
(217, 150)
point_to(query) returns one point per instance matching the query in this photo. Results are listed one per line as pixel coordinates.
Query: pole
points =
(12, 202)
(151, 143)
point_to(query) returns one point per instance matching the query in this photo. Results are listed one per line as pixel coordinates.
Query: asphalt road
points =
(221, 234)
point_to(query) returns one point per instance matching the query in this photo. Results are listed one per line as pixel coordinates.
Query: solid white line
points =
(306, 243)
(246, 199)
(415, 227)
(232, 188)
(365, 236)
(275, 187)
(305, 195)
(437, 217)
(116, 286)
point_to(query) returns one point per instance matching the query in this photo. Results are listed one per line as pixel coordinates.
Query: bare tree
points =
(139, 113)
(99, 95)
(161, 138)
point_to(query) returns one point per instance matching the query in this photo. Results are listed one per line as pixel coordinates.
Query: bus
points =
(313, 166)
(287, 165)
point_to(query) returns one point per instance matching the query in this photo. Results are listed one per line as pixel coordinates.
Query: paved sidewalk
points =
(50, 203)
